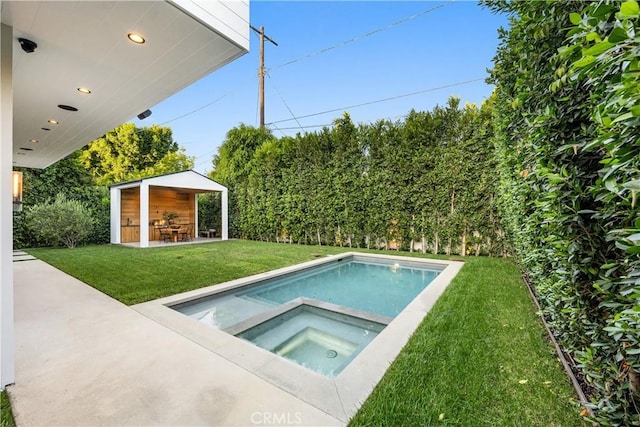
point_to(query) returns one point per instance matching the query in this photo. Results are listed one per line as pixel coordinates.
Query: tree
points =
(427, 178)
(63, 221)
(231, 168)
(127, 153)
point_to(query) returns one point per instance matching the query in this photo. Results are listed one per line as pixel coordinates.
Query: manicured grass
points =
(481, 356)
(133, 275)
(6, 417)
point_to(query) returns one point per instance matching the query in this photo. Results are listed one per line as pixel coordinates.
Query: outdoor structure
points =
(138, 207)
(72, 71)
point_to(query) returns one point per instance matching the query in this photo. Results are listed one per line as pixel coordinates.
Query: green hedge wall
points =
(425, 183)
(567, 138)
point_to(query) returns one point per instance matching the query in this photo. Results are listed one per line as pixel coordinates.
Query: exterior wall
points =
(7, 340)
(229, 18)
(130, 215)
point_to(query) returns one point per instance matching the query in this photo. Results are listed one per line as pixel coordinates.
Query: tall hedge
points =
(566, 119)
(425, 183)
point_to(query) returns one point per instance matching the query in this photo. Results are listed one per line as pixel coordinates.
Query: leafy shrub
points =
(42, 185)
(567, 131)
(100, 206)
(424, 183)
(62, 221)
(602, 58)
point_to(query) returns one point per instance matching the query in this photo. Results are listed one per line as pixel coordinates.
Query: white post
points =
(7, 339)
(144, 215)
(195, 215)
(116, 203)
(225, 215)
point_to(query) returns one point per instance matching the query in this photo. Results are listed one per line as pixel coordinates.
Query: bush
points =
(567, 127)
(61, 222)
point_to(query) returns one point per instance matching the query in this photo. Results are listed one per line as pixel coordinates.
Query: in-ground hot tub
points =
(325, 330)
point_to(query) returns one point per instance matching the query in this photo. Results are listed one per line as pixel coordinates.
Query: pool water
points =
(320, 317)
(375, 288)
(318, 339)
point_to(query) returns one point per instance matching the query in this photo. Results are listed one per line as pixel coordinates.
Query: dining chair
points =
(165, 235)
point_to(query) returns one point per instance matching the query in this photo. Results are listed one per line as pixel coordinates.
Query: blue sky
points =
(449, 45)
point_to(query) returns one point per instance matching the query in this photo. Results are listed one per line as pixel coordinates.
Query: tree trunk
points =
(463, 249)
(424, 244)
(453, 198)
(436, 243)
(318, 234)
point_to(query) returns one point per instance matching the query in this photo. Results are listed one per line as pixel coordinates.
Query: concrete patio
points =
(83, 358)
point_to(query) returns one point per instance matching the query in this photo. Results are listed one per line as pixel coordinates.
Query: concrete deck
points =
(84, 359)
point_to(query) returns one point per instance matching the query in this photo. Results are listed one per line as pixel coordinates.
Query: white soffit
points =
(84, 44)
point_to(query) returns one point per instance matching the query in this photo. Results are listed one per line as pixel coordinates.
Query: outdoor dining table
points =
(175, 232)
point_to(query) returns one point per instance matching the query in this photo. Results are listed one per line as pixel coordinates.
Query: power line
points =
(306, 127)
(285, 103)
(208, 153)
(198, 109)
(362, 36)
(202, 162)
(380, 100)
(311, 55)
(277, 128)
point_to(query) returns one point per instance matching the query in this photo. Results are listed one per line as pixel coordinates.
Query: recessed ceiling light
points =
(67, 107)
(53, 122)
(33, 141)
(136, 38)
(26, 149)
(45, 129)
(84, 90)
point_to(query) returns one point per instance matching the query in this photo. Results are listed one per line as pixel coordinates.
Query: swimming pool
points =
(328, 353)
(320, 317)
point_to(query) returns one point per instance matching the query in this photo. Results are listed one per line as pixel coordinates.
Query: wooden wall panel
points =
(166, 199)
(130, 207)
(160, 200)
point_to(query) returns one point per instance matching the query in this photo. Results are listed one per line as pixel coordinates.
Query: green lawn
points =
(480, 357)
(6, 417)
(134, 275)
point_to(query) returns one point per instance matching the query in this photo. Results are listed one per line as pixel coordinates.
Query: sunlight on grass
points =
(481, 356)
(133, 275)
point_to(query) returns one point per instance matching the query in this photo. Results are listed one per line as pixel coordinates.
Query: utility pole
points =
(261, 71)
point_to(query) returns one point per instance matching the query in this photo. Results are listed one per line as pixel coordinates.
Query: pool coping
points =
(270, 314)
(339, 397)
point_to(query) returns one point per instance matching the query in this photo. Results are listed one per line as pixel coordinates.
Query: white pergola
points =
(189, 181)
(85, 77)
